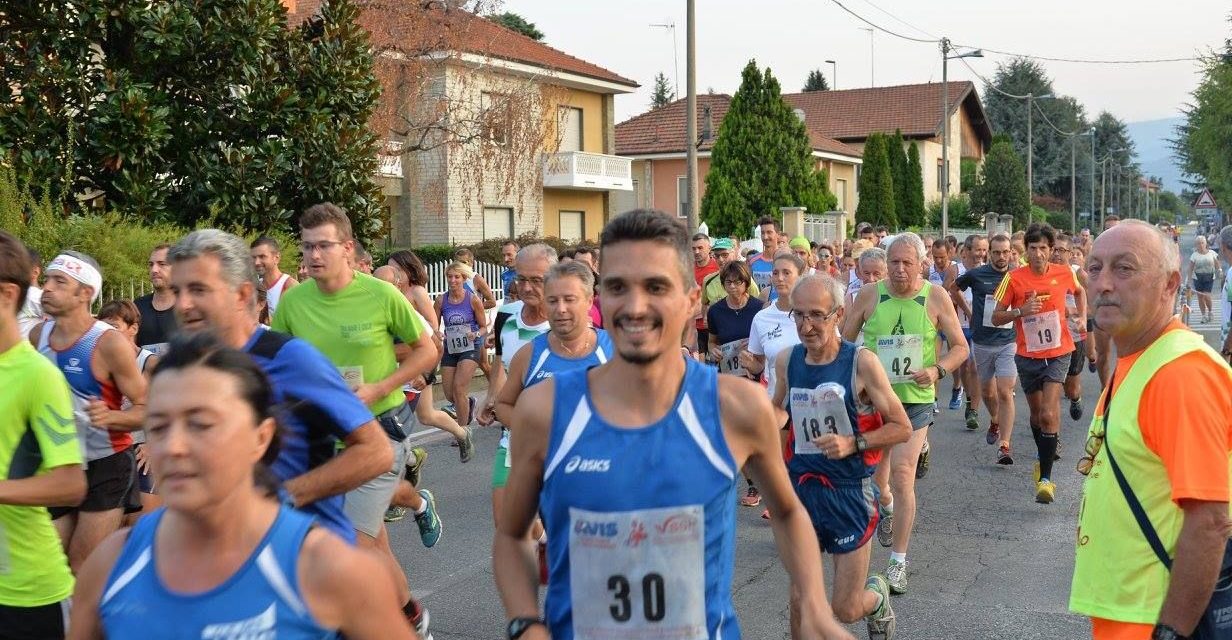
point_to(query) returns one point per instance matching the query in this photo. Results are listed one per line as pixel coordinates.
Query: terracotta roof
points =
(480, 36)
(852, 114)
(663, 130)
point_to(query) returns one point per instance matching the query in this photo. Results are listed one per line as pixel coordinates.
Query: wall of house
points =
(557, 200)
(663, 176)
(842, 171)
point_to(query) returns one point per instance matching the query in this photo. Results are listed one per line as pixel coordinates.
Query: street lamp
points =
(1030, 144)
(945, 128)
(833, 74)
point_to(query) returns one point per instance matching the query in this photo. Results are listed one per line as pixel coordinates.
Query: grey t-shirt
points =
(1204, 263)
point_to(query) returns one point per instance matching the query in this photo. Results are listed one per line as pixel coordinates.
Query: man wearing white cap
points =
(101, 369)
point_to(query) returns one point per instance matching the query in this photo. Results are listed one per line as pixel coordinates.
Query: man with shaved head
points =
(1155, 501)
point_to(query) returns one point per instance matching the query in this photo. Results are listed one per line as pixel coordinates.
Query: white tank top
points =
(274, 293)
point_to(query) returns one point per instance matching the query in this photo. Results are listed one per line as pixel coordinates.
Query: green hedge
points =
(120, 245)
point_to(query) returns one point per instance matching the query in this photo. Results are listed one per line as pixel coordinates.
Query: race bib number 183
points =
(638, 574)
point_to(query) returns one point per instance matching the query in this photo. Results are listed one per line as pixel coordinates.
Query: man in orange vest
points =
(1153, 528)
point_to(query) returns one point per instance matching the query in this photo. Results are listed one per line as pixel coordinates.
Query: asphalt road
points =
(986, 561)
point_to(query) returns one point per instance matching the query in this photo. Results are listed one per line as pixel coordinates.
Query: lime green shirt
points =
(355, 328)
(713, 290)
(37, 434)
(905, 341)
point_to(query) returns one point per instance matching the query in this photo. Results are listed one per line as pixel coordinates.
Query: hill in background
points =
(1155, 152)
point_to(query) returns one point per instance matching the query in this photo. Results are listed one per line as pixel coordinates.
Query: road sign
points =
(1205, 200)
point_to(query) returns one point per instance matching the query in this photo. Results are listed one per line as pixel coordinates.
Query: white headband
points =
(79, 270)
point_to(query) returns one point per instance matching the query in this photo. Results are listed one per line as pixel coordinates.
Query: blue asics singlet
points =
(822, 399)
(641, 521)
(261, 600)
(544, 362)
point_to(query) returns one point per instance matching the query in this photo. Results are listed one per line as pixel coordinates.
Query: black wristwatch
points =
(861, 443)
(1164, 632)
(519, 626)
(941, 372)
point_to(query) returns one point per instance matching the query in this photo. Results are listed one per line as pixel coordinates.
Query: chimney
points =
(707, 123)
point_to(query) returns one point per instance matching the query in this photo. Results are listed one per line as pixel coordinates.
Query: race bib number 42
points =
(638, 574)
(901, 356)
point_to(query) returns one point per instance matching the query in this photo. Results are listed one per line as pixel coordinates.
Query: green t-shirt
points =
(355, 328)
(713, 290)
(904, 339)
(37, 434)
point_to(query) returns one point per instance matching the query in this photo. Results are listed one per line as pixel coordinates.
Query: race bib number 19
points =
(638, 574)
(901, 356)
(1042, 330)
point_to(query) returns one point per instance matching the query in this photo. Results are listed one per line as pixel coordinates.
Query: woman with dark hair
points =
(224, 556)
(731, 318)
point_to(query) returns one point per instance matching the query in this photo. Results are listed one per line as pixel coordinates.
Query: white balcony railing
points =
(587, 171)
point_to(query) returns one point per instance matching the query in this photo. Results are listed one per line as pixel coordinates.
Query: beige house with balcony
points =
(511, 136)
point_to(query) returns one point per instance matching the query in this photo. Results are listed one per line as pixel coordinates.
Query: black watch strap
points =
(1164, 632)
(519, 626)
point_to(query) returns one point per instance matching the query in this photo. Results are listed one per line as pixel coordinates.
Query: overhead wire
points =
(1000, 51)
(900, 20)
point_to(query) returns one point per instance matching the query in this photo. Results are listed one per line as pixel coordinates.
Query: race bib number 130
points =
(638, 574)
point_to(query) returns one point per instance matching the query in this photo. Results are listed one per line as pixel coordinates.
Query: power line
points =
(1084, 60)
(879, 27)
(900, 21)
(1054, 127)
(999, 51)
(989, 84)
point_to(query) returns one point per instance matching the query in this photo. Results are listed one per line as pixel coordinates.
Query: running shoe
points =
(752, 497)
(429, 523)
(421, 624)
(973, 418)
(956, 399)
(994, 432)
(419, 456)
(765, 514)
(896, 575)
(1057, 456)
(466, 446)
(1091, 366)
(881, 621)
(541, 553)
(1045, 490)
(885, 528)
(921, 467)
(1003, 455)
(395, 513)
(471, 402)
(451, 410)
(1075, 408)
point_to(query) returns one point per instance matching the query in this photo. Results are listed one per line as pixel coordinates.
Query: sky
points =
(793, 36)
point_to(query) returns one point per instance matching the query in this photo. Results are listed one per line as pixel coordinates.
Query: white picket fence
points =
(491, 273)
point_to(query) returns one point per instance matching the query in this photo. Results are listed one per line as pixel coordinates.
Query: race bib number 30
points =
(458, 339)
(816, 412)
(638, 574)
(1042, 330)
(901, 356)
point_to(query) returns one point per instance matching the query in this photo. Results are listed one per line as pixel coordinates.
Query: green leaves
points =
(1003, 186)
(877, 202)
(761, 160)
(1203, 142)
(183, 110)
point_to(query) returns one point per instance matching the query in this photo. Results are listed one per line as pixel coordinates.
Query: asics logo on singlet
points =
(258, 627)
(587, 465)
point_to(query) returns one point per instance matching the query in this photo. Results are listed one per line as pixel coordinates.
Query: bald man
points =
(1158, 448)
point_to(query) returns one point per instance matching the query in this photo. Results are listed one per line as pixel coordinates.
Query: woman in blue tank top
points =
(224, 559)
(462, 323)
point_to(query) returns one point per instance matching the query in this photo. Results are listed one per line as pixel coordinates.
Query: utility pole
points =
(691, 105)
(1073, 182)
(1103, 208)
(945, 128)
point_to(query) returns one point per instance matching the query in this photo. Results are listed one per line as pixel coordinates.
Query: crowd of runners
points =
(227, 450)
